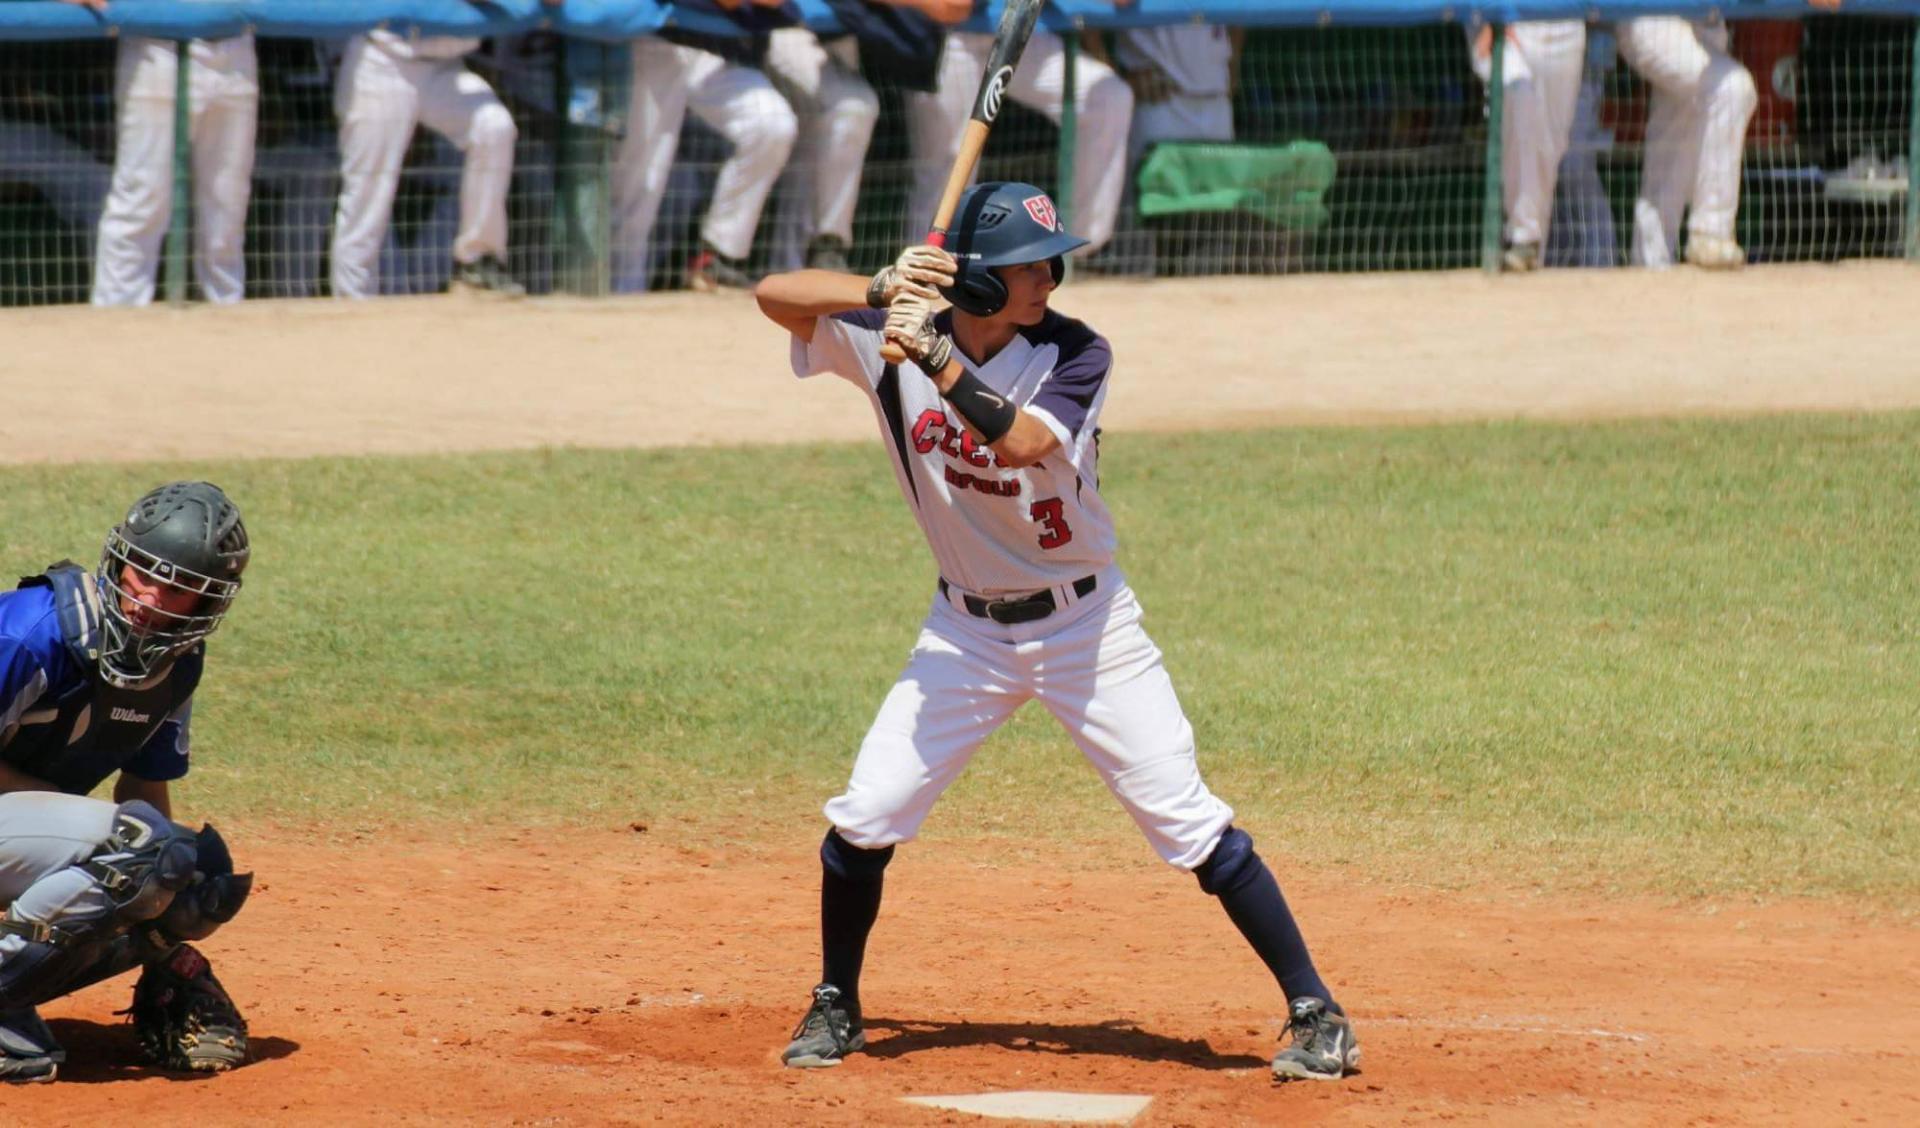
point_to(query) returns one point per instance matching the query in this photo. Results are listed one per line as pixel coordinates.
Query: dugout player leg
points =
(663, 73)
(459, 105)
(739, 103)
(223, 133)
(140, 199)
(1105, 109)
(1542, 78)
(376, 104)
(1107, 685)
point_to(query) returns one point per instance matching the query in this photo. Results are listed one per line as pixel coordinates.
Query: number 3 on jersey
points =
(1050, 515)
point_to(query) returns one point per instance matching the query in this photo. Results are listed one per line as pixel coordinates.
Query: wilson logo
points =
(130, 715)
(990, 97)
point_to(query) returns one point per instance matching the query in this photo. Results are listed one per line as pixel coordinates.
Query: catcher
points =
(97, 673)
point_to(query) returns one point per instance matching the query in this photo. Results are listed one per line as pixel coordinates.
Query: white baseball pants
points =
(223, 95)
(378, 99)
(1102, 101)
(740, 104)
(836, 111)
(1091, 665)
(1696, 131)
(1540, 80)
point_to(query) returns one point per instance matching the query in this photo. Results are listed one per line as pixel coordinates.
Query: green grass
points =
(1674, 655)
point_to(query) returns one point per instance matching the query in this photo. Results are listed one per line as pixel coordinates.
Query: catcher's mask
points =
(1003, 223)
(183, 535)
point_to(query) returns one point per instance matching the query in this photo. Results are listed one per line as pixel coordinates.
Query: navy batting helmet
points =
(1002, 223)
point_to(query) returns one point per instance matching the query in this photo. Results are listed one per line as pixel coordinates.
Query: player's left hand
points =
(919, 271)
(910, 325)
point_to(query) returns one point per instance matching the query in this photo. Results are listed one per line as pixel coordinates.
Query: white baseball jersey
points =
(994, 530)
(997, 531)
(1196, 57)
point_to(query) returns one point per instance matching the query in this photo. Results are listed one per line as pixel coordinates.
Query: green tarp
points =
(1283, 184)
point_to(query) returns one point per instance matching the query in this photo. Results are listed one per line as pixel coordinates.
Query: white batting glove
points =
(919, 271)
(910, 325)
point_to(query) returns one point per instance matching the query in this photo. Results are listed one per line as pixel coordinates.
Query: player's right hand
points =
(920, 271)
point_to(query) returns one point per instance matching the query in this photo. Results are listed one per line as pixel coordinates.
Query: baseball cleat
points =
(486, 275)
(1521, 258)
(827, 1033)
(710, 272)
(27, 1050)
(828, 252)
(1710, 253)
(1324, 1048)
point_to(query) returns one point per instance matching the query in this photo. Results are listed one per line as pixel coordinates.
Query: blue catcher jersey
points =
(59, 720)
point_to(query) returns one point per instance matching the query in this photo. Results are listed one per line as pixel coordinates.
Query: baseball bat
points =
(1009, 41)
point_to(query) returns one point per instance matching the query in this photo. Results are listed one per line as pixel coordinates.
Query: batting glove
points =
(919, 271)
(910, 325)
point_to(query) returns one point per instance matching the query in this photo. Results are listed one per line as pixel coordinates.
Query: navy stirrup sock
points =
(1251, 896)
(851, 880)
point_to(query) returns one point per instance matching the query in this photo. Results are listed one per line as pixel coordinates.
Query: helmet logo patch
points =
(1041, 209)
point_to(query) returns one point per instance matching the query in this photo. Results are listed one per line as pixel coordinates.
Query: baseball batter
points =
(994, 434)
(223, 90)
(1540, 77)
(388, 83)
(1696, 136)
(720, 81)
(97, 675)
(1102, 100)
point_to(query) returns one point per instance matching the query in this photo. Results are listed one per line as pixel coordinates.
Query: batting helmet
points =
(184, 535)
(1003, 223)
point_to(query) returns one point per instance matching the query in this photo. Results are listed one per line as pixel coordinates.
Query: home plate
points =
(1063, 1108)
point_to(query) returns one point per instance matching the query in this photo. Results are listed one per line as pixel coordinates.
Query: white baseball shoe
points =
(1520, 258)
(1709, 252)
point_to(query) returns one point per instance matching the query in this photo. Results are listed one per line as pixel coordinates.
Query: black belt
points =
(1026, 608)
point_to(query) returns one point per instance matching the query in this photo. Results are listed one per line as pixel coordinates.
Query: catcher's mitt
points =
(185, 1019)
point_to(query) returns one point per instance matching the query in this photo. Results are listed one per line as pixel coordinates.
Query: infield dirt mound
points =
(608, 977)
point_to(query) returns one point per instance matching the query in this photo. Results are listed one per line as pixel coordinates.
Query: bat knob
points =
(892, 353)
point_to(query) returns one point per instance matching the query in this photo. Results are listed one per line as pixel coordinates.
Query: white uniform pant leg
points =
(1103, 679)
(1178, 117)
(663, 73)
(836, 110)
(223, 133)
(934, 123)
(1541, 77)
(377, 104)
(1696, 129)
(955, 691)
(459, 105)
(43, 832)
(140, 199)
(740, 104)
(1103, 104)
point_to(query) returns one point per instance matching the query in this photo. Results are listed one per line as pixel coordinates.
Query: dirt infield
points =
(608, 976)
(612, 975)
(433, 374)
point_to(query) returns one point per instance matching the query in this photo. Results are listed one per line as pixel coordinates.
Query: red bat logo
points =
(1041, 209)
